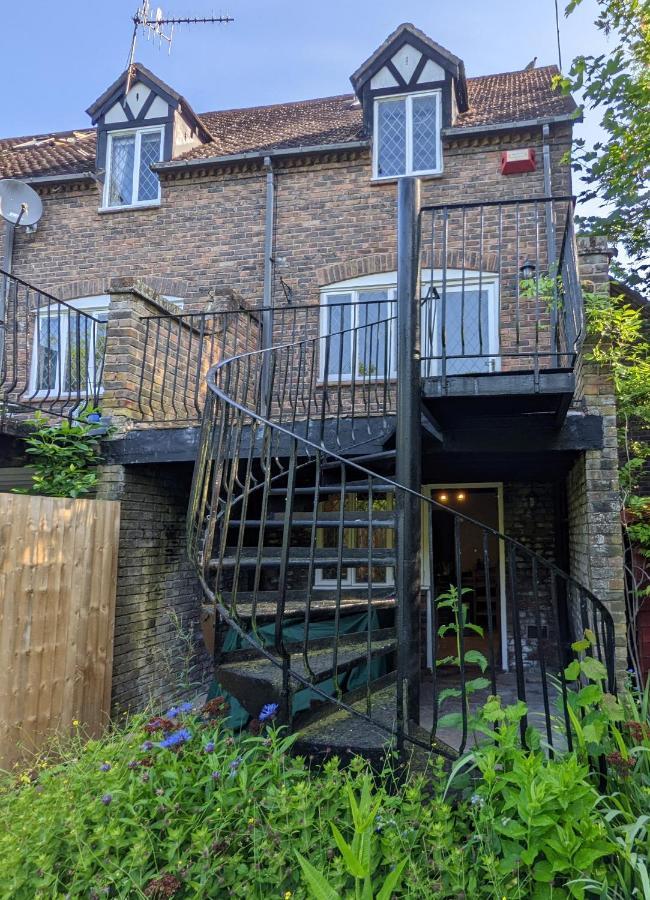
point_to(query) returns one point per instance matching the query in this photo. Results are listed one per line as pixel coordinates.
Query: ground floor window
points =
(356, 538)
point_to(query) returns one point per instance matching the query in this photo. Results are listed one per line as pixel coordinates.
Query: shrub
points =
(177, 806)
(64, 455)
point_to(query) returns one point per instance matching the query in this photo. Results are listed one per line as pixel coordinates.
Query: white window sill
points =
(387, 179)
(129, 208)
(63, 395)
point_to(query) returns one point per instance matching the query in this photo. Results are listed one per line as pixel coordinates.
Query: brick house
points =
(182, 240)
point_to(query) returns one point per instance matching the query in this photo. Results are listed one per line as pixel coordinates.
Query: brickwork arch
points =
(377, 263)
(94, 287)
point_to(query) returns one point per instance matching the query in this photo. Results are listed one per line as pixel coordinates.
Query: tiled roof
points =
(493, 100)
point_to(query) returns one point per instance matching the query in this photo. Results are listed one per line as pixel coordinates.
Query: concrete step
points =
(258, 681)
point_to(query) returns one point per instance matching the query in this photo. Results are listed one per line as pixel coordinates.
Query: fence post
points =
(408, 454)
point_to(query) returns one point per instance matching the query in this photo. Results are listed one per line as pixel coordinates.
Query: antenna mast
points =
(154, 27)
(559, 42)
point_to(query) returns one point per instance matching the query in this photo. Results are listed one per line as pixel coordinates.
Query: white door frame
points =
(425, 574)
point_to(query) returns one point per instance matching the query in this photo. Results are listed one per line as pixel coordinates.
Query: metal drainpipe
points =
(551, 249)
(267, 314)
(7, 258)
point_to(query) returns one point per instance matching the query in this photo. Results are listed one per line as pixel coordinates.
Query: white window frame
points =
(137, 133)
(455, 281)
(91, 305)
(350, 580)
(408, 98)
(329, 297)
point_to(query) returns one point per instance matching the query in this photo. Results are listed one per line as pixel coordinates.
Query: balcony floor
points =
(455, 397)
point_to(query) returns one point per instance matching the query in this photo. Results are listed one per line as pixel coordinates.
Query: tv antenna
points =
(160, 27)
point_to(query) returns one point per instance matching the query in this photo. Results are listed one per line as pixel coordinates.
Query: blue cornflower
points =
(269, 711)
(216, 775)
(234, 765)
(105, 767)
(209, 747)
(176, 739)
(186, 707)
(107, 799)
(172, 713)
(148, 745)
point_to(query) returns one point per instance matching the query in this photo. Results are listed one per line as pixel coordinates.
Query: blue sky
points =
(57, 56)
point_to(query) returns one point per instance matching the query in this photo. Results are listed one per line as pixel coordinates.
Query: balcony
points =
(501, 317)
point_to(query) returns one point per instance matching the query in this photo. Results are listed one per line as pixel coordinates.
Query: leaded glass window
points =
(407, 135)
(129, 178)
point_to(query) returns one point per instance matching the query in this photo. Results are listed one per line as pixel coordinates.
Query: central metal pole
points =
(409, 460)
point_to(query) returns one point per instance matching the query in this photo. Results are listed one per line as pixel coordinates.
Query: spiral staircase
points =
(304, 527)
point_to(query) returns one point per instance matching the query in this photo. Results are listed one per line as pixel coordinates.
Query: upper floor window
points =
(129, 157)
(407, 135)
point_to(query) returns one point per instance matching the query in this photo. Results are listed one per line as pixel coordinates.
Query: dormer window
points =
(407, 135)
(129, 179)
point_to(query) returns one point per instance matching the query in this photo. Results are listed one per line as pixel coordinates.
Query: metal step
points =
(249, 557)
(365, 458)
(258, 681)
(324, 520)
(341, 733)
(358, 487)
(295, 611)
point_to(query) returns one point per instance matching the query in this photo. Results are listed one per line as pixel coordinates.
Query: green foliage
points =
(218, 815)
(459, 624)
(617, 169)
(223, 815)
(63, 456)
(618, 342)
(361, 857)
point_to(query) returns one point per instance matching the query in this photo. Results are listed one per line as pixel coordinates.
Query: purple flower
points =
(186, 707)
(105, 767)
(133, 764)
(234, 765)
(172, 713)
(176, 739)
(107, 799)
(209, 747)
(148, 745)
(216, 775)
(269, 711)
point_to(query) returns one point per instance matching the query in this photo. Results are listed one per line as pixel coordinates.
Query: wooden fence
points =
(58, 565)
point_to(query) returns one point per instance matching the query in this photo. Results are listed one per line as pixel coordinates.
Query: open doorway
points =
(485, 597)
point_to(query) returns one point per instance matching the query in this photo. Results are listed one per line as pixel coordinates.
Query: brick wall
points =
(209, 230)
(529, 517)
(156, 588)
(595, 539)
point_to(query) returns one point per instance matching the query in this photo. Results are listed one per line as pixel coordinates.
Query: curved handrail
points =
(234, 405)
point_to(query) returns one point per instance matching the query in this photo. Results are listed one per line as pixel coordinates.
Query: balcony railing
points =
(501, 287)
(499, 295)
(51, 354)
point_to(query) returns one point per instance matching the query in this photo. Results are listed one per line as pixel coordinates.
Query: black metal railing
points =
(287, 533)
(501, 288)
(51, 353)
(339, 366)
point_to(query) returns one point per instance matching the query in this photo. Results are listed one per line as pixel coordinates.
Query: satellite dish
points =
(19, 204)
